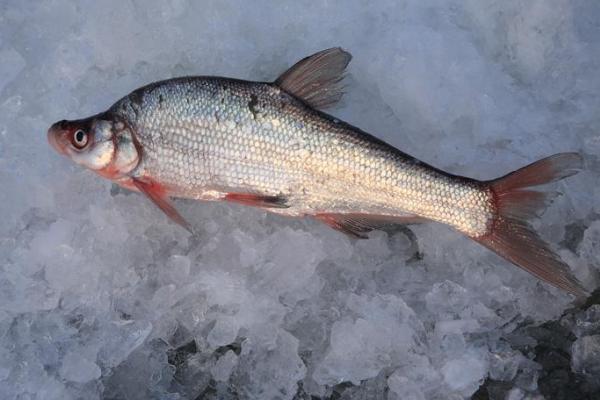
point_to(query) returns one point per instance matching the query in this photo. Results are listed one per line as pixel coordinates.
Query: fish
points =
(271, 145)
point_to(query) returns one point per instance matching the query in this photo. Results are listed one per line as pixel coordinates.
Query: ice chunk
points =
(357, 352)
(384, 331)
(121, 340)
(273, 373)
(76, 368)
(224, 332)
(504, 365)
(515, 394)
(146, 373)
(288, 265)
(590, 244)
(465, 373)
(177, 269)
(404, 389)
(457, 309)
(588, 322)
(224, 365)
(586, 357)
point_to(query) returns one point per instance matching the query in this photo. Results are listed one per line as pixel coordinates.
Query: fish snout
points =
(57, 136)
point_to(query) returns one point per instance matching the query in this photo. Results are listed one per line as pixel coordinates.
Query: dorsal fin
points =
(315, 79)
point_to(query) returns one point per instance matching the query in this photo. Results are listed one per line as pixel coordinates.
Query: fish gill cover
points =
(100, 297)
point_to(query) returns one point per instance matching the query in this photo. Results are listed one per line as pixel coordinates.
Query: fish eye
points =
(80, 139)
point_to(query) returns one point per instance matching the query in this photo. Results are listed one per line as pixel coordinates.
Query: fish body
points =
(269, 145)
(206, 137)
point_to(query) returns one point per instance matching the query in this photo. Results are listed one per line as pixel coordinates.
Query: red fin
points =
(513, 238)
(546, 170)
(158, 195)
(358, 225)
(257, 200)
(315, 79)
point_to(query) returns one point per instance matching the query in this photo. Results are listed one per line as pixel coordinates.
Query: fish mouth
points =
(56, 137)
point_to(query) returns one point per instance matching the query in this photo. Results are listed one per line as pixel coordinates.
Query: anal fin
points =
(358, 225)
(156, 192)
(257, 200)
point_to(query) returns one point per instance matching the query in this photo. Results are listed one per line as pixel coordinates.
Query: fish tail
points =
(512, 237)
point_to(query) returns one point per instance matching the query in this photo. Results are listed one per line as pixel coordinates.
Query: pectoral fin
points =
(156, 192)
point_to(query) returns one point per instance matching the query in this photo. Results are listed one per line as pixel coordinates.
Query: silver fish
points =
(269, 145)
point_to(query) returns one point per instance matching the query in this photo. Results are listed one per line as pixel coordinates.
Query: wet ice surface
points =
(102, 297)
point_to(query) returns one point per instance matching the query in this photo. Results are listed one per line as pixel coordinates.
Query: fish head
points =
(103, 143)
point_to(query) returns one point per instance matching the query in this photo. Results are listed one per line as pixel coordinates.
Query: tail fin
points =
(513, 238)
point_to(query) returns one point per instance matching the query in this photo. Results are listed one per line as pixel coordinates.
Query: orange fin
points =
(159, 196)
(257, 200)
(513, 238)
(358, 225)
(315, 79)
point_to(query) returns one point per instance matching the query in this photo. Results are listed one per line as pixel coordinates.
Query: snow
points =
(12, 64)
(102, 297)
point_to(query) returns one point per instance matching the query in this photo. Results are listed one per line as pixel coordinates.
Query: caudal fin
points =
(513, 238)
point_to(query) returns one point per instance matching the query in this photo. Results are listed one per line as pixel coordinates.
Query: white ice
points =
(101, 296)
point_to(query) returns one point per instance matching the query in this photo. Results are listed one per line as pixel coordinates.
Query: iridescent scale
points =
(204, 137)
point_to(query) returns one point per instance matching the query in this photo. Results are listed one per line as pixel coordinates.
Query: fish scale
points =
(255, 138)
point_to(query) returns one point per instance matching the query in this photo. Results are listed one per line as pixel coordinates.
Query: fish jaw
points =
(58, 136)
